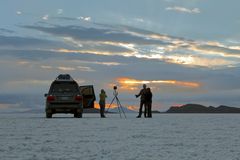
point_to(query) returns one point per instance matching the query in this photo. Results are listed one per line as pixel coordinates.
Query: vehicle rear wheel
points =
(48, 115)
(77, 115)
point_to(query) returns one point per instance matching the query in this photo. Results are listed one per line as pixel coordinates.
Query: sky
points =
(186, 51)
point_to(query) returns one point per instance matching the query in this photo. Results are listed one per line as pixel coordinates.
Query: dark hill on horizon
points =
(197, 108)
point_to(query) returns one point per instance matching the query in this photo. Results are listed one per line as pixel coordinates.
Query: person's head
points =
(144, 86)
(102, 91)
(148, 90)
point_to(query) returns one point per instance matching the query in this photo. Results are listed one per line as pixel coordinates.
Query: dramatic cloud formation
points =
(131, 42)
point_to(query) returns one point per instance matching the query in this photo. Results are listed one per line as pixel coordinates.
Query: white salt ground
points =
(164, 137)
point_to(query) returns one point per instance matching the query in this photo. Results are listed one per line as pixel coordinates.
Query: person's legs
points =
(103, 111)
(102, 108)
(145, 110)
(140, 109)
(150, 110)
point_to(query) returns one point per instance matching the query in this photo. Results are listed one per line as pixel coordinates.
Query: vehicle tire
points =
(80, 115)
(77, 115)
(48, 115)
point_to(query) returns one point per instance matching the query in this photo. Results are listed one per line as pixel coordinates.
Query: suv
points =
(64, 97)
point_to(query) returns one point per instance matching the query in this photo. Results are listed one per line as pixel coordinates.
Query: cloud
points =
(95, 52)
(46, 67)
(3, 30)
(133, 42)
(211, 49)
(92, 34)
(17, 42)
(59, 11)
(18, 12)
(98, 62)
(184, 10)
(84, 18)
(180, 59)
(68, 69)
(23, 62)
(85, 69)
(15, 83)
(130, 84)
(64, 18)
(62, 68)
(45, 17)
(139, 20)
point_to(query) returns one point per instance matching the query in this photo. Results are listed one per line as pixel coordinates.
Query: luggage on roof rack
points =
(64, 77)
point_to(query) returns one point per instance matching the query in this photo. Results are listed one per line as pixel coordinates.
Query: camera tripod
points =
(119, 106)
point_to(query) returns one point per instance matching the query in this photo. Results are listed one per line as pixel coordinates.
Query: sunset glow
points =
(130, 83)
(113, 106)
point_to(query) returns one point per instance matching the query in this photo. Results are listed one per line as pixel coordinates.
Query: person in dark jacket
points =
(102, 101)
(142, 101)
(148, 98)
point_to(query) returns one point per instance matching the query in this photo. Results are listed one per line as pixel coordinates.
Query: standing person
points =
(102, 102)
(142, 101)
(148, 98)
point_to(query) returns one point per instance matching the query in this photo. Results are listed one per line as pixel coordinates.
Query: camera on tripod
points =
(115, 92)
(119, 106)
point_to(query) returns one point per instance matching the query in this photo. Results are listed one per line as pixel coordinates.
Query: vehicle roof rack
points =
(64, 77)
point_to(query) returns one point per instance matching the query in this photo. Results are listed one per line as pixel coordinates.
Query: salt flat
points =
(164, 137)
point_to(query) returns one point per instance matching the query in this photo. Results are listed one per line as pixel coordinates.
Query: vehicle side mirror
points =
(45, 95)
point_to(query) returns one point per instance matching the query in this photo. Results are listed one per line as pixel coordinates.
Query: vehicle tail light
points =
(50, 98)
(78, 98)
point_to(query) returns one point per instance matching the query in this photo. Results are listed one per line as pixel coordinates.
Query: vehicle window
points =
(64, 88)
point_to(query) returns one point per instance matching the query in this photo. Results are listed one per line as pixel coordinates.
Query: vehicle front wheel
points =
(48, 115)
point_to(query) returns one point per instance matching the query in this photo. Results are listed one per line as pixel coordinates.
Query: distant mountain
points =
(156, 111)
(197, 108)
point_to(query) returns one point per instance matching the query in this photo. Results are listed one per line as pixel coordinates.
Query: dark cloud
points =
(64, 18)
(97, 34)
(3, 30)
(29, 42)
(33, 55)
(131, 35)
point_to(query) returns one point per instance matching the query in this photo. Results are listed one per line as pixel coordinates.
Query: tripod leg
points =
(119, 110)
(121, 107)
(110, 104)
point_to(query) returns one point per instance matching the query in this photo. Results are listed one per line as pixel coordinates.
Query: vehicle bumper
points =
(64, 108)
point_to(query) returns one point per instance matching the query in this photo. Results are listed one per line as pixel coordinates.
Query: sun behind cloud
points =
(126, 83)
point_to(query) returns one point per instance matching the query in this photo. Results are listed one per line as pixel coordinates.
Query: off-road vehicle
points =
(64, 97)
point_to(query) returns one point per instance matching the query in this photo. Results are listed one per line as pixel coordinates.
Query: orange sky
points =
(131, 84)
(96, 105)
